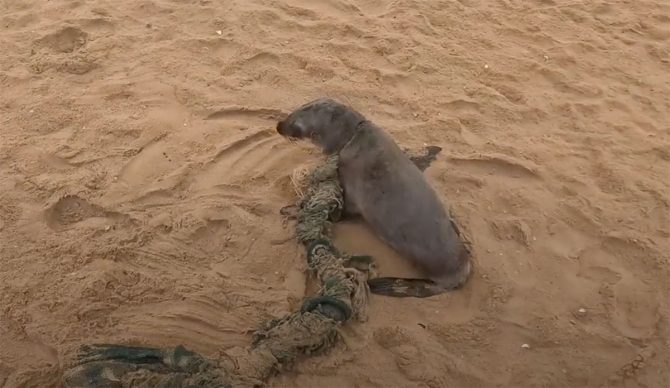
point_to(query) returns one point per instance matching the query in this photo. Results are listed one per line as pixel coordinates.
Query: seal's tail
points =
(402, 287)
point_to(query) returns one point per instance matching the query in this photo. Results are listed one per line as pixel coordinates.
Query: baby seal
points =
(385, 188)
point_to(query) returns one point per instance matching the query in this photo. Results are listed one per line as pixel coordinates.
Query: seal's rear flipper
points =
(402, 288)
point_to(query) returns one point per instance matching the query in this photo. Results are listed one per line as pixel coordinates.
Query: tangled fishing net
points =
(343, 295)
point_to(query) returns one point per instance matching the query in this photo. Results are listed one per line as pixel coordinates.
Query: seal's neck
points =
(339, 137)
(357, 130)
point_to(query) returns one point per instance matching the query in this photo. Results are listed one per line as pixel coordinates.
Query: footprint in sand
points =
(72, 209)
(634, 309)
(64, 40)
(632, 304)
(62, 50)
(213, 237)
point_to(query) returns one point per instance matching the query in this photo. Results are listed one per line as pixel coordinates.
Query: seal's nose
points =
(280, 127)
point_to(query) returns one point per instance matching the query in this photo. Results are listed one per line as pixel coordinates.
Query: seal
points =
(388, 191)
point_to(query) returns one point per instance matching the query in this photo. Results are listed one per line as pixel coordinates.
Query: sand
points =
(141, 181)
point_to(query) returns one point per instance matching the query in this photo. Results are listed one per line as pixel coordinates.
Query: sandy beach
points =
(141, 179)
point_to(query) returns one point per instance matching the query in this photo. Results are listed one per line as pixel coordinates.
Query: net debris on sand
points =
(343, 295)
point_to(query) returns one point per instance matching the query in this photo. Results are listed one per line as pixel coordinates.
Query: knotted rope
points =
(343, 295)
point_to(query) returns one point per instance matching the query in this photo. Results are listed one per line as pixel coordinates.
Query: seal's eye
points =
(299, 128)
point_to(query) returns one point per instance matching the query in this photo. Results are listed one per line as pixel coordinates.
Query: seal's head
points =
(325, 122)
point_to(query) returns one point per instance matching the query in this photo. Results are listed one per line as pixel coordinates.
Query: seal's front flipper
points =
(350, 217)
(424, 160)
(363, 263)
(402, 288)
(289, 212)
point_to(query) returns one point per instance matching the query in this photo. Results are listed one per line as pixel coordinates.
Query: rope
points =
(313, 329)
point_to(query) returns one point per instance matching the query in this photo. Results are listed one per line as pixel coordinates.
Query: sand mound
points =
(141, 179)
